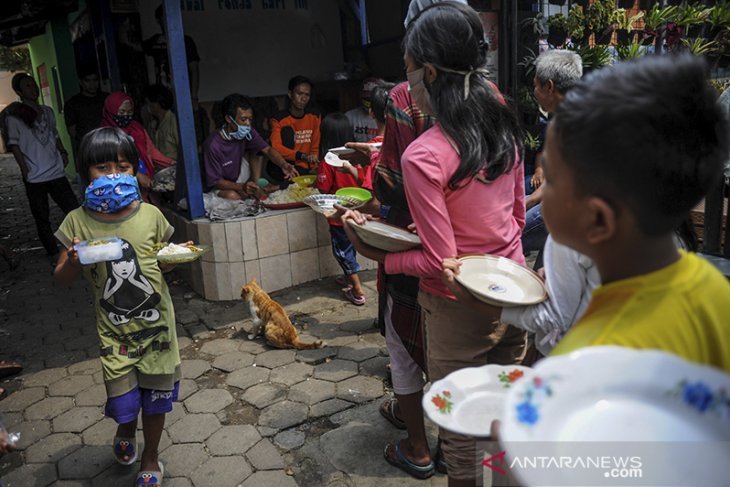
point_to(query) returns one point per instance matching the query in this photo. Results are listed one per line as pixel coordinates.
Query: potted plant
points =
(593, 57)
(655, 20)
(631, 51)
(538, 24)
(719, 18)
(576, 24)
(625, 27)
(700, 46)
(558, 25)
(598, 19)
(691, 17)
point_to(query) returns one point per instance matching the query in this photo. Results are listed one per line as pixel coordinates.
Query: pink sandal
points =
(342, 281)
(356, 300)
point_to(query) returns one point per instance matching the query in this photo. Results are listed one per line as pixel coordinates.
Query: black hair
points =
(299, 80)
(17, 78)
(450, 36)
(103, 145)
(379, 99)
(87, 70)
(158, 13)
(159, 94)
(234, 101)
(656, 143)
(334, 131)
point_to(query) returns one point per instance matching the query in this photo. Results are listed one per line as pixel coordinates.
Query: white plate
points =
(468, 400)
(324, 203)
(385, 237)
(339, 151)
(615, 397)
(333, 159)
(500, 281)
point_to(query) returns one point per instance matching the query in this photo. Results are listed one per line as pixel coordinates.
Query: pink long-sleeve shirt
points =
(485, 218)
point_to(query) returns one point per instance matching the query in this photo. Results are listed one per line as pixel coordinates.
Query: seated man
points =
(226, 170)
(295, 131)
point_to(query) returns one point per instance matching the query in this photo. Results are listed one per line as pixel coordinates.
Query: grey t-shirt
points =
(364, 127)
(38, 145)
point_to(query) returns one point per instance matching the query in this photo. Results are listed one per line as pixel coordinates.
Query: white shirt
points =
(570, 279)
(38, 145)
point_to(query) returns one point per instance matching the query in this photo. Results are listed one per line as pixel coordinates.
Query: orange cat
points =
(269, 316)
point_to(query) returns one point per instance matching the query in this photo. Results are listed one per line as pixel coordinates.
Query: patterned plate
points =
(615, 399)
(468, 400)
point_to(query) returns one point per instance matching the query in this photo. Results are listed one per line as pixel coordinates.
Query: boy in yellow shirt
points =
(629, 153)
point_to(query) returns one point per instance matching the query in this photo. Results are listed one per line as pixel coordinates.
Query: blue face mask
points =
(242, 132)
(111, 193)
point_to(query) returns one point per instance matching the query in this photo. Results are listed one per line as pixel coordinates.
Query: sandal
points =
(356, 300)
(125, 447)
(9, 367)
(400, 461)
(342, 282)
(387, 410)
(149, 478)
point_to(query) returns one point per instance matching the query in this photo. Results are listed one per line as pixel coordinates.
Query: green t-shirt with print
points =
(135, 318)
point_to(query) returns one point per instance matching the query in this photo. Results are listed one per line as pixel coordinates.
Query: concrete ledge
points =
(279, 248)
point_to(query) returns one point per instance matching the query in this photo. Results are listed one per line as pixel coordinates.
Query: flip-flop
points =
(147, 478)
(400, 461)
(9, 367)
(356, 300)
(387, 410)
(125, 447)
(342, 281)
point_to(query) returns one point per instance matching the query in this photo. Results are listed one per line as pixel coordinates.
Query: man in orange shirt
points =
(295, 131)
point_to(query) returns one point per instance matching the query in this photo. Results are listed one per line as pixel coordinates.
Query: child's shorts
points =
(125, 408)
(343, 250)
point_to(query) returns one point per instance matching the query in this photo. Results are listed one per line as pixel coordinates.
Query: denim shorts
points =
(125, 408)
(343, 250)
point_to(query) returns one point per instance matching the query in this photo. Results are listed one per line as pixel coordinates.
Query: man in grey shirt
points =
(33, 140)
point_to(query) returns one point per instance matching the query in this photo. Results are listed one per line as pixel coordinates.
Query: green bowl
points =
(358, 193)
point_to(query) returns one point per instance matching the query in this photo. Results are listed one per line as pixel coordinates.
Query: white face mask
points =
(417, 89)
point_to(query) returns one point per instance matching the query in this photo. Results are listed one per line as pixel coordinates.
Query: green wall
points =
(54, 49)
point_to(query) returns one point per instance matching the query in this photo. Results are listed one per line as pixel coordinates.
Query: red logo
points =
(498, 456)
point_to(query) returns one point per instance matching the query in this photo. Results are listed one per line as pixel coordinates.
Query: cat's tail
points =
(300, 345)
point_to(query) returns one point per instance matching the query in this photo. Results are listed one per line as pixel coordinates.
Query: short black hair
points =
(103, 145)
(159, 94)
(299, 80)
(648, 134)
(158, 13)
(234, 101)
(379, 99)
(17, 78)
(87, 70)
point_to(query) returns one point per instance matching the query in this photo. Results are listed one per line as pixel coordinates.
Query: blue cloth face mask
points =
(111, 193)
(242, 132)
(122, 120)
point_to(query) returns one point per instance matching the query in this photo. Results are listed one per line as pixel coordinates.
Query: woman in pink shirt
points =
(464, 184)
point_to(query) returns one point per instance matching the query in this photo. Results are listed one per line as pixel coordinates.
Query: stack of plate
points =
(325, 203)
(385, 237)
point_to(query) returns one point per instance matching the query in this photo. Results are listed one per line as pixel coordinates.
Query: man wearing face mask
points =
(227, 172)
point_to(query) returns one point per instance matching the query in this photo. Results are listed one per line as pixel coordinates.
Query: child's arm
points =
(348, 168)
(68, 267)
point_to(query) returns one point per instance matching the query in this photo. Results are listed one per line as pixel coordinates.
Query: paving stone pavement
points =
(248, 415)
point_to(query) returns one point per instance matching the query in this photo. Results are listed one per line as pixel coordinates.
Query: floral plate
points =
(614, 397)
(468, 400)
